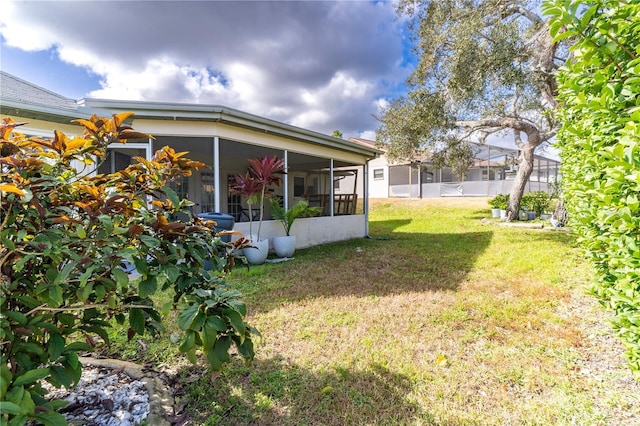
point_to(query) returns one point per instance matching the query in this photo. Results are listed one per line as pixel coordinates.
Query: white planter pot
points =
(257, 254)
(284, 246)
(495, 213)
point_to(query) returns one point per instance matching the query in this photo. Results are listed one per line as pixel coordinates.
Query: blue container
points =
(224, 222)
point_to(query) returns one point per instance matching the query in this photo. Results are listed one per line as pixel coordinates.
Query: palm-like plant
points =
(263, 172)
(288, 216)
(247, 186)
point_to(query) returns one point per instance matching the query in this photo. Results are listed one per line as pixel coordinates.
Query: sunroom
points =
(327, 171)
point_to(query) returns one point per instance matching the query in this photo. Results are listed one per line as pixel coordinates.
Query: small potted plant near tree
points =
(286, 246)
(540, 202)
(499, 205)
(526, 210)
(262, 173)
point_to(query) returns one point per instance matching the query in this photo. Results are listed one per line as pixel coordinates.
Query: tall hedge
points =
(600, 148)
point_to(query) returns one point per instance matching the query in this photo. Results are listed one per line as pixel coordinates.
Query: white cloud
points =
(320, 65)
(369, 134)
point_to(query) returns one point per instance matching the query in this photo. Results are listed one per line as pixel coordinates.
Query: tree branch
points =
(519, 10)
(499, 123)
(534, 136)
(517, 139)
(81, 308)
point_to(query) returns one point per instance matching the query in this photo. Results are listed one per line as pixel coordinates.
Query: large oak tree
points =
(485, 66)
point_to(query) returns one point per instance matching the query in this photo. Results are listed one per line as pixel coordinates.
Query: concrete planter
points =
(284, 246)
(257, 254)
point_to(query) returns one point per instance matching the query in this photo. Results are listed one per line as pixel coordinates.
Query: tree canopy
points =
(485, 66)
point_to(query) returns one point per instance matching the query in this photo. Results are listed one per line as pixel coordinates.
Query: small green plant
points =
(500, 201)
(288, 216)
(536, 201)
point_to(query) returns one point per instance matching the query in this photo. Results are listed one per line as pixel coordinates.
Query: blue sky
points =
(322, 65)
(45, 69)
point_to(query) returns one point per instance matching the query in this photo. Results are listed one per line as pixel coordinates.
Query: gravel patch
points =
(104, 397)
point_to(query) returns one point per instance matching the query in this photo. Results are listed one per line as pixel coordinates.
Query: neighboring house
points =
(223, 139)
(492, 173)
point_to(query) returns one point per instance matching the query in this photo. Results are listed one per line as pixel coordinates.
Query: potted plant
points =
(286, 246)
(540, 202)
(262, 173)
(498, 204)
(247, 186)
(526, 209)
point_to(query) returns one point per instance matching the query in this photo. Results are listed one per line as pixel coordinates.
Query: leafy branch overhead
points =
(67, 240)
(485, 67)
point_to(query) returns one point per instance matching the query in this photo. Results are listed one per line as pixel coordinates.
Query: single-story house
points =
(492, 173)
(222, 138)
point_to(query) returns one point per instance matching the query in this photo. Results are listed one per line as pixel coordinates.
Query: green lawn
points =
(437, 319)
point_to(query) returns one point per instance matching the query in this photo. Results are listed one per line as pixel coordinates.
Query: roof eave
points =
(218, 113)
(40, 112)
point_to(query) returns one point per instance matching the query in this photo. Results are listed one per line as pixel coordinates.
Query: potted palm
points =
(262, 173)
(247, 186)
(286, 246)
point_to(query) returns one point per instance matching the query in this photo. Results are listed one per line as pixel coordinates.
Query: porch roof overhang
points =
(179, 112)
(225, 115)
(33, 111)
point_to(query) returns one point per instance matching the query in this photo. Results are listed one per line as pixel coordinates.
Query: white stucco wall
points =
(379, 188)
(312, 231)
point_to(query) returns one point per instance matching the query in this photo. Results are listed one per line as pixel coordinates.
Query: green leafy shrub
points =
(600, 149)
(536, 201)
(500, 201)
(66, 239)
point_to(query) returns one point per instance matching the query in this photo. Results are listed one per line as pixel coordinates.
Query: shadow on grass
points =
(274, 392)
(405, 262)
(480, 214)
(387, 227)
(557, 236)
(519, 234)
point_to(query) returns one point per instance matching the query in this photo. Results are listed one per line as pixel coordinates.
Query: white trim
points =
(216, 172)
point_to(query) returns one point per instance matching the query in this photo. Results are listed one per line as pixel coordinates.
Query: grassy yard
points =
(437, 319)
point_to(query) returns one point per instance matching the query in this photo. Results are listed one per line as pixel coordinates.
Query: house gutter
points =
(41, 112)
(184, 112)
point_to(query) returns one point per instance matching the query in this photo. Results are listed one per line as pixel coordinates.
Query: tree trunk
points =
(560, 213)
(525, 167)
(525, 161)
